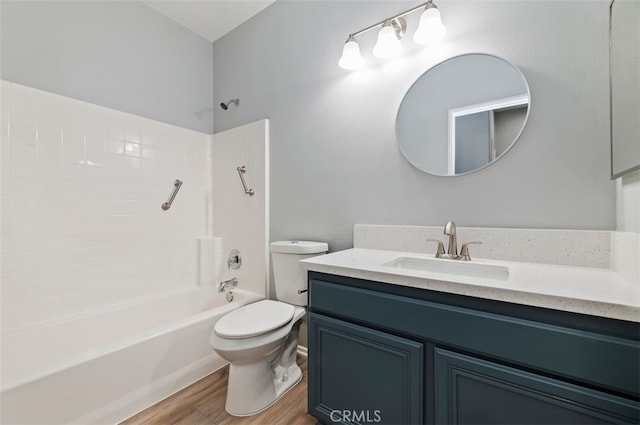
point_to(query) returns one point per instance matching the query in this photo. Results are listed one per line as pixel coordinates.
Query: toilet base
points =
(261, 393)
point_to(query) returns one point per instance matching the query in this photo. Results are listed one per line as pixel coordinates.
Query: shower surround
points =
(82, 187)
(83, 236)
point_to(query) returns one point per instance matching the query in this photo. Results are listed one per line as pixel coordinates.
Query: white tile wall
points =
(81, 189)
(239, 219)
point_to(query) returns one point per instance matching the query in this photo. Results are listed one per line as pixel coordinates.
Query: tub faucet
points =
(450, 230)
(222, 286)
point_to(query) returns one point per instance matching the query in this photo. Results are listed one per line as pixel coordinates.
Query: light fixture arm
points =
(427, 4)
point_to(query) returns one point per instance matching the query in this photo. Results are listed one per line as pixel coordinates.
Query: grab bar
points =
(241, 170)
(167, 204)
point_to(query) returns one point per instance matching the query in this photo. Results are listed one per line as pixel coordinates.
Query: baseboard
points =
(303, 351)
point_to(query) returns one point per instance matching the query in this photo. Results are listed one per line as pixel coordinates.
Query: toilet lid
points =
(254, 319)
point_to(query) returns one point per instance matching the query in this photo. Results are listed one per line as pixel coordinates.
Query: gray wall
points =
(119, 54)
(334, 157)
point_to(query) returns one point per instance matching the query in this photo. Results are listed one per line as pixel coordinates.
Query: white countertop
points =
(593, 291)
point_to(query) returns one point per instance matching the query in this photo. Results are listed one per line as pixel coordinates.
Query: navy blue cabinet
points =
(362, 375)
(469, 390)
(391, 354)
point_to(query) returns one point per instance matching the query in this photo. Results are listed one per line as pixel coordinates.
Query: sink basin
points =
(487, 271)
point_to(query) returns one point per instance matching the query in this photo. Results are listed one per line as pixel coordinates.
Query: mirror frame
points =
(524, 123)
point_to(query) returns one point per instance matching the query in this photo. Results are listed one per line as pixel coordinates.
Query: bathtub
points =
(103, 367)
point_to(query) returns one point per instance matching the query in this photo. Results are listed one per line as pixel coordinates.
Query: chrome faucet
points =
(452, 249)
(222, 286)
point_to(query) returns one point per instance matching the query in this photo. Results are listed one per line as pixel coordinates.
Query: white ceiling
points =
(210, 19)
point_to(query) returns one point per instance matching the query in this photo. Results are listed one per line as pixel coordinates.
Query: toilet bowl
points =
(263, 363)
(260, 340)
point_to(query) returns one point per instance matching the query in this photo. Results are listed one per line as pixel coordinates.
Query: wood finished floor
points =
(202, 403)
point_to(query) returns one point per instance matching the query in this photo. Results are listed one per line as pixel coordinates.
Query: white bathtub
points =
(103, 368)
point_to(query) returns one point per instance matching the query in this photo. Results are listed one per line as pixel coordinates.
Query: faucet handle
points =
(440, 252)
(235, 260)
(464, 252)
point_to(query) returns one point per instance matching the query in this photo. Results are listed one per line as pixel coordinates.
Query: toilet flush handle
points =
(302, 291)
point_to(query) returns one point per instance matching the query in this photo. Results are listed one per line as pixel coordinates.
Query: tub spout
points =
(222, 286)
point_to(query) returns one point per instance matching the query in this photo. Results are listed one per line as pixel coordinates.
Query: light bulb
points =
(351, 58)
(430, 29)
(388, 45)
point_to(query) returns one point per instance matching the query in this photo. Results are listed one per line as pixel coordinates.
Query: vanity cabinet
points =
(381, 353)
(364, 372)
(470, 390)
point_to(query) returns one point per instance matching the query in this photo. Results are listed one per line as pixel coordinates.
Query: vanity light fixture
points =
(430, 30)
(388, 45)
(351, 57)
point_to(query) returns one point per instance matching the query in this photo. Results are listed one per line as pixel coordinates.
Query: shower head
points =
(225, 105)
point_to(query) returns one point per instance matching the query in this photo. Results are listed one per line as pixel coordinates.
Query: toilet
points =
(260, 340)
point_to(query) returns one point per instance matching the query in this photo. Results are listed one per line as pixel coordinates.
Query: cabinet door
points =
(359, 375)
(474, 391)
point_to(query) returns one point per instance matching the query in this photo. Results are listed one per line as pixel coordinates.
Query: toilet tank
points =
(288, 275)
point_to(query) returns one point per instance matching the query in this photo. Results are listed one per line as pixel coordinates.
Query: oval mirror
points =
(462, 114)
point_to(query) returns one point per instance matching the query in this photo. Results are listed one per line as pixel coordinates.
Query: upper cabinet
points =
(625, 86)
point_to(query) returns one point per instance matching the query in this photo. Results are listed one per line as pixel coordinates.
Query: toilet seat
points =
(254, 319)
